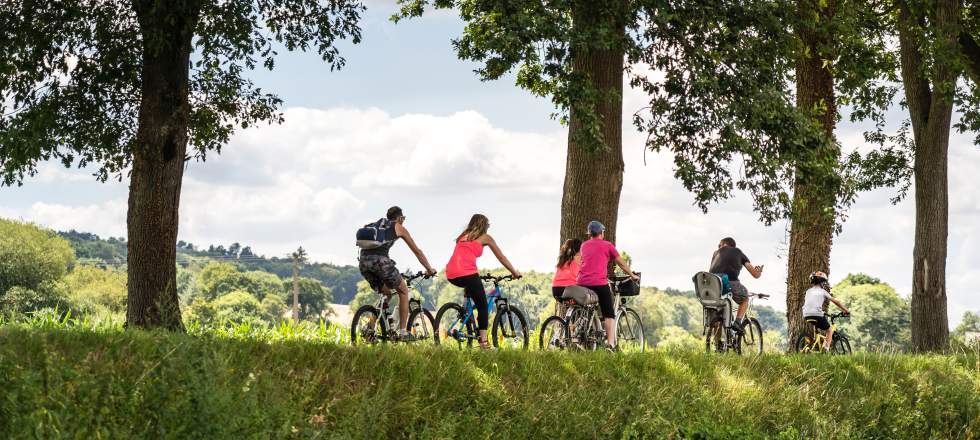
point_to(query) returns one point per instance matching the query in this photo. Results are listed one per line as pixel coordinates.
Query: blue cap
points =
(595, 228)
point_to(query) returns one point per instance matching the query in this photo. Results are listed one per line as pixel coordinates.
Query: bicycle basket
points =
(581, 295)
(628, 287)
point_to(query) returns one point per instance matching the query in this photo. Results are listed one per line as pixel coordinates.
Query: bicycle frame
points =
(493, 298)
(414, 302)
(820, 336)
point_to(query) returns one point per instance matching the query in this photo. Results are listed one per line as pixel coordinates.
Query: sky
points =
(406, 123)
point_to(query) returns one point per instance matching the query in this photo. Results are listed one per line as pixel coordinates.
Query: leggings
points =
(556, 292)
(605, 300)
(473, 289)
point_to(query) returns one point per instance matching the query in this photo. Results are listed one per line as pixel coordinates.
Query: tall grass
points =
(62, 379)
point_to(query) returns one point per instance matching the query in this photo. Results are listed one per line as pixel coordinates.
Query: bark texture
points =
(812, 223)
(158, 163)
(930, 109)
(594, 173)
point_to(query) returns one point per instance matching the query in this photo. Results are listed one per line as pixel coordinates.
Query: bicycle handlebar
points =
(617, 278)
(839, 315)
(760, 295)
(409, 277)
(490, 277)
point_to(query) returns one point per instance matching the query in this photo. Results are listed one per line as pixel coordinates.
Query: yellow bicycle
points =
(813, 340)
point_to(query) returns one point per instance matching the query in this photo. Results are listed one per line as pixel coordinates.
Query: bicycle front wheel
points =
(367, 326)
(452, 328)
(553, 334)
(629, 332)
(510, 329)
(840, 345)
(750, 341)
(421, 325)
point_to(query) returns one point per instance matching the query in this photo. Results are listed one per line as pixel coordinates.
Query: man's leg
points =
(402, 308)
(742, 308)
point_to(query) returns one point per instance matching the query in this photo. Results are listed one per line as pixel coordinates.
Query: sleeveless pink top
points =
(566, 275)
(463, 261)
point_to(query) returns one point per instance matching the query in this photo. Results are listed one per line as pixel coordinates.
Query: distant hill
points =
(111, 251)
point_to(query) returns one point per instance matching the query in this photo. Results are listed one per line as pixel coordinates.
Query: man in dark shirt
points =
(730, 260)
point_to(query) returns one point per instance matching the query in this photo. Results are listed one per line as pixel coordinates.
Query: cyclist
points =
(380, 272)
(729, 260)
(594, 275)
(813, 305)
(569, 262)
(462, 272)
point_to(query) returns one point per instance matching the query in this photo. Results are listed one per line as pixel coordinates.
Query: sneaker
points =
(611, 348)
(738, 327)
(409, 337)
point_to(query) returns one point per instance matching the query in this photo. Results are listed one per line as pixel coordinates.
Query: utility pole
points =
(298, 257)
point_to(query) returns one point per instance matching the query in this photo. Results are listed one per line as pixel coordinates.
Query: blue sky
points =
(451, 145)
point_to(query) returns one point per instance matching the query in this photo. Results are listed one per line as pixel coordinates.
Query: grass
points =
(85, 381)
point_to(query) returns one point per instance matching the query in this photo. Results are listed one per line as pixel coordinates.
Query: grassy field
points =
(85, 383)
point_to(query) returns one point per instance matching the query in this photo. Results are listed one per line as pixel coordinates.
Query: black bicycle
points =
(455, 325)
(374, 323)
(722, 338)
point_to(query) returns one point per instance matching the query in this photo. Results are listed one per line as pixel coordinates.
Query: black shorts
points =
(380, 271)
(556, 292)
(605, 300)
(821, 321)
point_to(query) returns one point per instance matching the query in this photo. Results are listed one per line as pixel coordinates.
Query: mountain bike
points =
(726, 338)
(581, 327)
(455, 325)
(376, 323)
(813, 340)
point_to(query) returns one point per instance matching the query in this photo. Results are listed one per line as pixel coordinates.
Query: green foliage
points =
(238, 306)
(273, 308)
(880, 319)
(95, 290)
(88, 246)
(269, 383)
(33, 261)
(70, 72)
(314, 299)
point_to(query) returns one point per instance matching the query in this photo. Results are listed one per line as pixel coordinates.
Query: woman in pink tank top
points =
(569, 262)
(462, 271)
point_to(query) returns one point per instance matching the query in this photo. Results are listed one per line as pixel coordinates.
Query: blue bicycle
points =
(455, 325)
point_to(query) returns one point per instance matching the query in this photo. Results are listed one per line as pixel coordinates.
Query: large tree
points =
(940, 67)
(573, 52)
(139, 87)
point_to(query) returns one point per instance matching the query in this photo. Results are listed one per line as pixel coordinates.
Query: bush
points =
(238, 306)
(95, 290)
(34, 260)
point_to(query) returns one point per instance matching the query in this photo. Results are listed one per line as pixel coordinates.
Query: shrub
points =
(34, 260)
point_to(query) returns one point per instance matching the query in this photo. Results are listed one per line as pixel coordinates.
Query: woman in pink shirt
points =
(594, 274)
(566, 273)
(462, 272)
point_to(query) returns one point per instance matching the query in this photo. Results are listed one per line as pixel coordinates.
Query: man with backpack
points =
(375, 240)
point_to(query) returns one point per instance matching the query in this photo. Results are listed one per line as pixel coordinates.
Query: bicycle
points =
(582, 328)
(455, 325)
(813, 340)
(374, 323)
(718, 309)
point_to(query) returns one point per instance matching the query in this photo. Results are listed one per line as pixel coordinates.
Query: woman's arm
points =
(626, 268)
(489, 241)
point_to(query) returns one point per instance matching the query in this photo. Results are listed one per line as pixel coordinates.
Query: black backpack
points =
(373, 235)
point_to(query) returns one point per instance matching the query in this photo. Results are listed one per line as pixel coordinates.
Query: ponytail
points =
(568, 251)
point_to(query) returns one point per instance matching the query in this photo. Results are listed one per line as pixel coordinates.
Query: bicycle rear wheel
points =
(553, 334)
(367, 326)
(450, 331)
(421, 325)
(805, 344)
(629, 332)
(750, 341)
(715, 338)
(510, 330)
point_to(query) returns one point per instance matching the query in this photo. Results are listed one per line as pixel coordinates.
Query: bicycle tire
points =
(716, 326)
(452, 314)
(553, 334)
(804, 344)
(375, 330)
(751, 338)
(505, 334)
(633, 334)
(421, 325)
(840, 345)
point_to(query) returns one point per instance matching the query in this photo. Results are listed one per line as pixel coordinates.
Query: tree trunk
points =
(158, 163)
(594, 172)
(812, 223)
(931, 113)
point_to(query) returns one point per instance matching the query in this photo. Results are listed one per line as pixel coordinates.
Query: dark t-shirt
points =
(728, 260)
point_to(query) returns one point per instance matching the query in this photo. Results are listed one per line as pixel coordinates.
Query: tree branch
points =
(971, 50)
